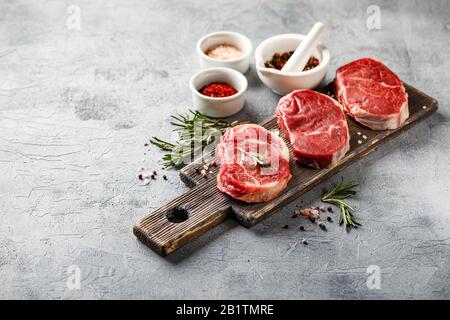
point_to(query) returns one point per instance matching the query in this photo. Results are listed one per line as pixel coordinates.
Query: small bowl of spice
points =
(218, 92)
(273, 53)
(225, 49)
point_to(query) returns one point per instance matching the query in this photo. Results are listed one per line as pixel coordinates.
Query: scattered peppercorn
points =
(197, 170)
(140, 177)
(305, 242)
(330, 209)
(154, 173)
(164, 177)
(279, 60)
(311, 64)
(146, 145)
(153, 177)
(285, 226)
(329, 219)
(322, 226)
(302, 228)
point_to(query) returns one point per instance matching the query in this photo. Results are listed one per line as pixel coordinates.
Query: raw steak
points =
(254, 163)
(315, 125)
(372, 94)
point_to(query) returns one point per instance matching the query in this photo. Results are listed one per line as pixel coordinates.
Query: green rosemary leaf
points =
(188, 139)
(257, 158)
(337, 195)
(163, 145)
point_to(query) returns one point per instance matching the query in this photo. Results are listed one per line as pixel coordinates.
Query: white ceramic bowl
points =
(284, 82)
(218, 107)
(238, 40)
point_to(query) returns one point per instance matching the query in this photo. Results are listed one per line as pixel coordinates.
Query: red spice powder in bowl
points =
(218, 90)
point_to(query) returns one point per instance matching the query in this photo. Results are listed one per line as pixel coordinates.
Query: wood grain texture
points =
(207, 206)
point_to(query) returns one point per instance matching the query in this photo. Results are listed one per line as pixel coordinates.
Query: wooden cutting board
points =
(204, 206)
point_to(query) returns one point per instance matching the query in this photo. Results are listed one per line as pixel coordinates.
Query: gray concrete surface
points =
(77, 106)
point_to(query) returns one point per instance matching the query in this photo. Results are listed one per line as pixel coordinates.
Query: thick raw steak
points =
(254, 163)
(372, 94)
(315, 125)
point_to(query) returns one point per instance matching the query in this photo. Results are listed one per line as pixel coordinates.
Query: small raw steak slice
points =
(254, 163)
(315, 125)
(372, 94)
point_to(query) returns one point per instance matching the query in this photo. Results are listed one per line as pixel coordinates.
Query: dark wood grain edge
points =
(187, 179)
(206, 207)
(142, 236)
(433, 101)
(169, 247)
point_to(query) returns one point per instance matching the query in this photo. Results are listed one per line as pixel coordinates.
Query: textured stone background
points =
(76, 107)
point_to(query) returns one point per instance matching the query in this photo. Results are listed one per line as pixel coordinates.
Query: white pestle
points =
(301, 55)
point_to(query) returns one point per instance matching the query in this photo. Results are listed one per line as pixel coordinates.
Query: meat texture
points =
(316, 127)
(372, 94)
(254, 163)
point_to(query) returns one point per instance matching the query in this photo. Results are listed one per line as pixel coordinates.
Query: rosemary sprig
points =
(187, 122)
(163, 145)
(259, 159)
(188, 139)
(337, 195)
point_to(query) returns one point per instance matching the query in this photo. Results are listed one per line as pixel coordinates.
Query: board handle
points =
(183, 219)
